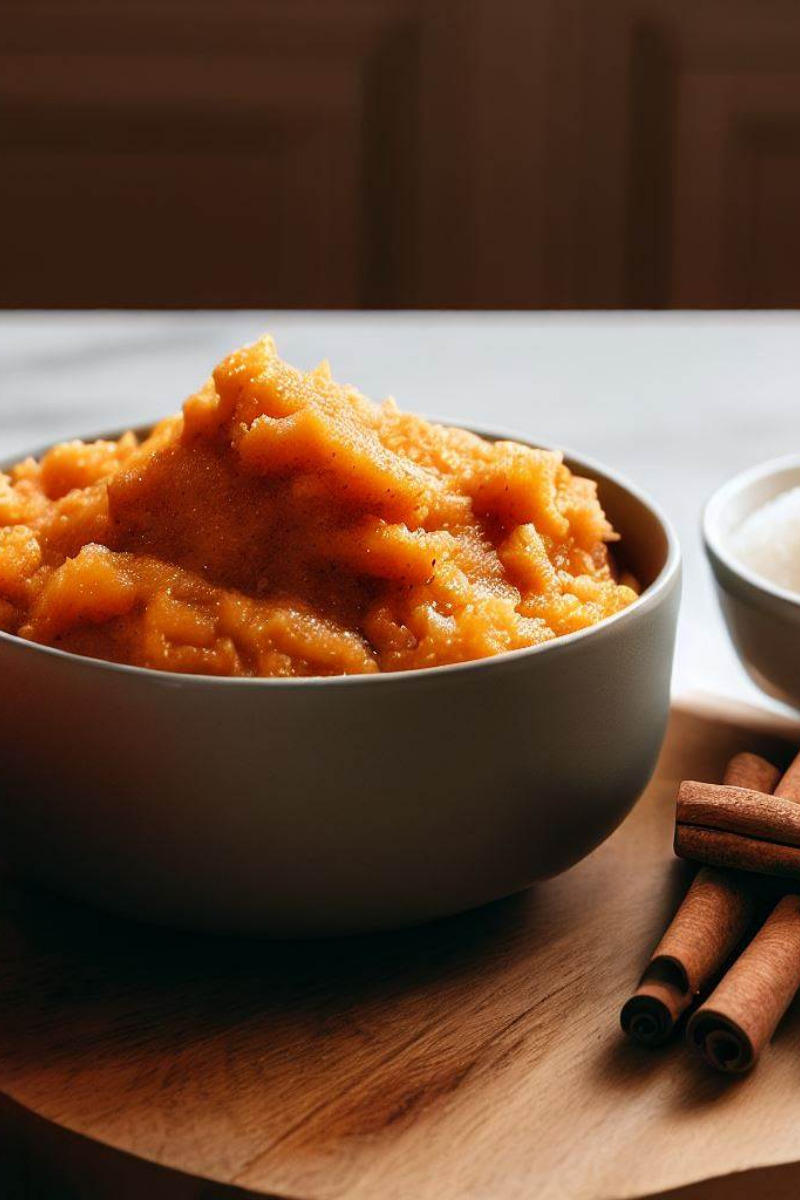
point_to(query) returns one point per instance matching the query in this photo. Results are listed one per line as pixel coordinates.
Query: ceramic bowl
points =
(763, 619)
(329, 806)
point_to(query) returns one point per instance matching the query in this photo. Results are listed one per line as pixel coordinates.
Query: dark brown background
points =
(400, 153)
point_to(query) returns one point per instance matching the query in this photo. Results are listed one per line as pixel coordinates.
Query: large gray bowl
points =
(763, 619)
(338, 805)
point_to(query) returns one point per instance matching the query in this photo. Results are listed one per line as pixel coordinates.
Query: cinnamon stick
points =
(731, 1029)
(789, 786)
(741, 827)
(752, 771)
(736, 852)
(704, 933)
(708, 926)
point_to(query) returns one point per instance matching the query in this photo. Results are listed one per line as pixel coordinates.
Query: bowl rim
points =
(714, 542)
(651, 595)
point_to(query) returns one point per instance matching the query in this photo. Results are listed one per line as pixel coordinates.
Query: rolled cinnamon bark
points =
(705, 931)
(747, 770)
(789, 786)
(737, 1021)
(736, 852)
(738, 827)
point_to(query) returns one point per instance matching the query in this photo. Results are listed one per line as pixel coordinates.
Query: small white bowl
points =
(763, 619)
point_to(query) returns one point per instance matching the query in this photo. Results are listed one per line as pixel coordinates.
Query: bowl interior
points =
(644, 546)
(734, 502)
(741, 496)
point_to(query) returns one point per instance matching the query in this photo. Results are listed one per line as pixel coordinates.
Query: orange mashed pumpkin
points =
(284, 525)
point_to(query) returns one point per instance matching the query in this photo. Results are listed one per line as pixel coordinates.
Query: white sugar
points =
(768, 541)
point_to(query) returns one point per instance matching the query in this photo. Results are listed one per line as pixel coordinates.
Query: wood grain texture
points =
(475, 1057)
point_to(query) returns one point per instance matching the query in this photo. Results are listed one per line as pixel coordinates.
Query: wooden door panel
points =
(685, 155)
(225, 167)
(400, 153)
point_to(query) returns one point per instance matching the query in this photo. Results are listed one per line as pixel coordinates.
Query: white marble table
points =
(676, 401)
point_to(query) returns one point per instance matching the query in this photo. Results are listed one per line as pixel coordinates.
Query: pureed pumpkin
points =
(284, 525)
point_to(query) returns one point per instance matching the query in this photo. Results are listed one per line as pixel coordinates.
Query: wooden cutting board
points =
(477, 1058)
